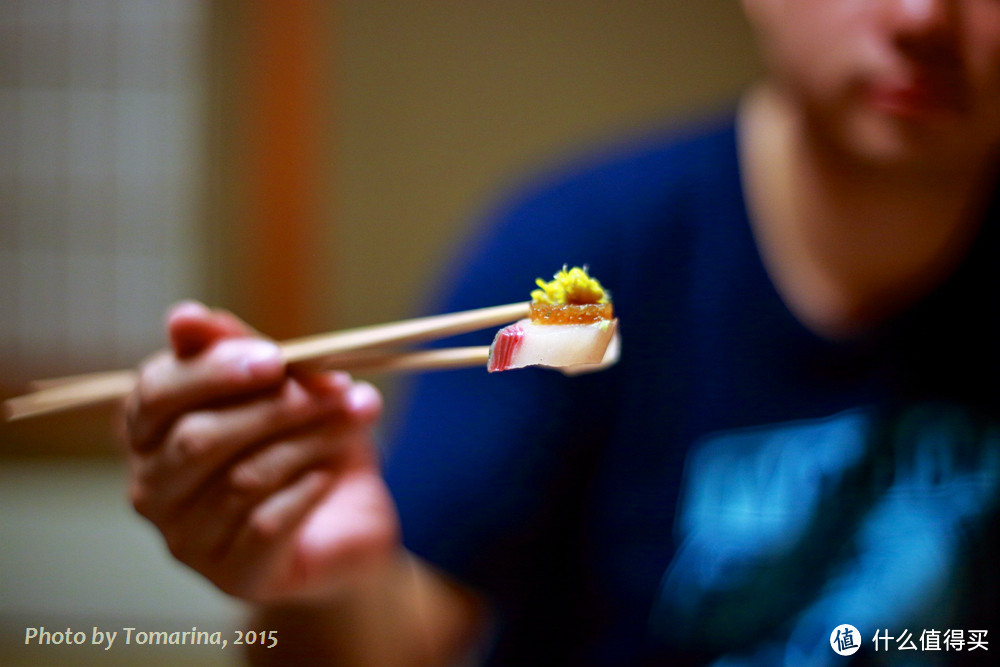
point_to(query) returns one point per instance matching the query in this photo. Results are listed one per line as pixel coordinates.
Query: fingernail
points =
(190, 308)
(256, 358)
(262, 358)
(363, 398)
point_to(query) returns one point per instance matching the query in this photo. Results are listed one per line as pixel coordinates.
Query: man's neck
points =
(848, 243)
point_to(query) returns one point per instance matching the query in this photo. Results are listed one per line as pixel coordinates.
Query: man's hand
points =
(265, 482)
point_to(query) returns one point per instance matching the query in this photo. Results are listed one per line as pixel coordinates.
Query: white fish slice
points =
(562, 346)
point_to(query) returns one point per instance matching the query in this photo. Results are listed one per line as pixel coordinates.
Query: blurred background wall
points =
(307, 164)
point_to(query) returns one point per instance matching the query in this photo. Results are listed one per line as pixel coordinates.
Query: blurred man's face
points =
(909, 81)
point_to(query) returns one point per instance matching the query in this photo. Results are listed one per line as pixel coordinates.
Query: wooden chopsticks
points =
(364, 349)
(326, 347)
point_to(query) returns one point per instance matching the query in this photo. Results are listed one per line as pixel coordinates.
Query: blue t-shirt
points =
(737, 489)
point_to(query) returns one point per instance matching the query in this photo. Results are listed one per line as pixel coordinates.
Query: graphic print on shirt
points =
(788, 531)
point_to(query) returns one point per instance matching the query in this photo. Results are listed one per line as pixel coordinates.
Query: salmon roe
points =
(552, 313)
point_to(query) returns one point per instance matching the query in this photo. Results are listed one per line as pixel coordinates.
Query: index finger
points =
(168, 385)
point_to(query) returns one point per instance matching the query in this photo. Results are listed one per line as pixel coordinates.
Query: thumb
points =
(192, 327)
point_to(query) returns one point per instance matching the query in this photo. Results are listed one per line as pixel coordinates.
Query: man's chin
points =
(887, 142)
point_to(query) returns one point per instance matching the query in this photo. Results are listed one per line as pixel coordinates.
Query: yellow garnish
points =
(572, 286)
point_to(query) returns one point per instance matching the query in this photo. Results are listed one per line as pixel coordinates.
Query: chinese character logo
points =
(845, 639)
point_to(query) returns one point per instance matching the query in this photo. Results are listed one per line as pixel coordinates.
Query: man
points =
(800, 434)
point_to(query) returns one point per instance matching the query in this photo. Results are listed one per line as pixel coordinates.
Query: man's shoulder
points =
(646, 161)
(626, 185)
(606, 207)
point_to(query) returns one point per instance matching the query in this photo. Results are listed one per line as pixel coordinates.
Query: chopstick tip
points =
(10, 410)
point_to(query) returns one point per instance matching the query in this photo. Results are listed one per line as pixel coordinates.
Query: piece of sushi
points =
(571, 326)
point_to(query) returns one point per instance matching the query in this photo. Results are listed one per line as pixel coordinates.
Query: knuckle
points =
(295, 401)
(193, 437)
(150, 390)
(141, 499)
(248, 478)
(263, 526)
(135, 428)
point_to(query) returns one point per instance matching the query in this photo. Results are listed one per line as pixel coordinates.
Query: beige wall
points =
(440, 103)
